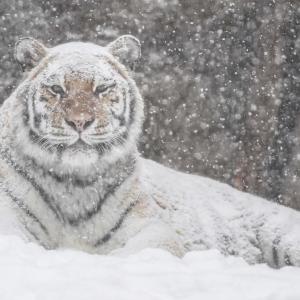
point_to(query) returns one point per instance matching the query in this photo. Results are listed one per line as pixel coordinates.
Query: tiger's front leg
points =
(153, 235)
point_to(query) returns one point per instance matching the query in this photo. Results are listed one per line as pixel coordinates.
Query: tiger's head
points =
(80, 103)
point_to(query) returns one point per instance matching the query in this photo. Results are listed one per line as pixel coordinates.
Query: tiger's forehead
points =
(84, 84)
(78, 61)
(88, 70)
(80, 58)
(80, 48)
(81, 67)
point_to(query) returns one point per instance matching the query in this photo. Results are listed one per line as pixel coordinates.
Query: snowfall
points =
(29, 272)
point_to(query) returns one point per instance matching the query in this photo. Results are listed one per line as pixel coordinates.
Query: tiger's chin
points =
(79, 158)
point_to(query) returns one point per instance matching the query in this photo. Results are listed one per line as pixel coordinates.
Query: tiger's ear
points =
(127, 49)
(29, 52)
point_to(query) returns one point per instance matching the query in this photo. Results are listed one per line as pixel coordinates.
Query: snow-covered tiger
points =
(71, 175)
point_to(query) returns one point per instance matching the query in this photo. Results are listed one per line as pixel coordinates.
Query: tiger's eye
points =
(115, 99)
(103, 88)
(56, 89)
(43, 99)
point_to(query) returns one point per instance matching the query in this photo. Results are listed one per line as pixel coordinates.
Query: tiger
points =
(71, 175)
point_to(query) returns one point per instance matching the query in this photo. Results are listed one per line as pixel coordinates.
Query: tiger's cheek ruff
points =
(51, 105)
(37, 112)
(120, 107)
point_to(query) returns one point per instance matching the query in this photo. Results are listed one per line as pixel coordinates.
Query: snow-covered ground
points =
(29, 272)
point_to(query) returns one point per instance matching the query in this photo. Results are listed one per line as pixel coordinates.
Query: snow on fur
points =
(114, 201)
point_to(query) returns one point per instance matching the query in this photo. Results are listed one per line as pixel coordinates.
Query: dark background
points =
(220, 79)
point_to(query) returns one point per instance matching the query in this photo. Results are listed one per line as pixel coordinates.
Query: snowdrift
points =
(29, 272)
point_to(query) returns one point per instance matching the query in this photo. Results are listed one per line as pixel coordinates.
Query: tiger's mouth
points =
(82, 144)
(80, 138)
(87, 142)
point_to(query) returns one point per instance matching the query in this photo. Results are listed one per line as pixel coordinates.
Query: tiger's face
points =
(81, 102)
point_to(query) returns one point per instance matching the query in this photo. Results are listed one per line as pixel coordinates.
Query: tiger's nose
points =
(80, 123)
